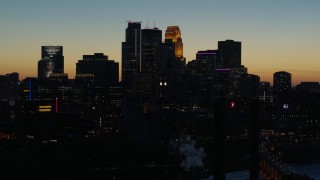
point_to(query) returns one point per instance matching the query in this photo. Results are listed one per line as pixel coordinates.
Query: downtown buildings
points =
(160, 98)
(52, 61)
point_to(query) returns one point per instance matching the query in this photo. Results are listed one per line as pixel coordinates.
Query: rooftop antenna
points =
(154, 23)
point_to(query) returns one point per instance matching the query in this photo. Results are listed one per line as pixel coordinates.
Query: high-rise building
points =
(173, 35)
(282, 87)
(231, 52)
(309, 87)
(265, 91)
(151, 39)
(208, 61)
(249, 86)
(236, 74)
(56, 91)
(105, 71)
(131, 52)
(52, 61)
(221, 85)
(146, 80)
(172, 54)
(9, 86)
(97, 91)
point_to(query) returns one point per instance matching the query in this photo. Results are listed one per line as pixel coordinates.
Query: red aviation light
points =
(232, 104)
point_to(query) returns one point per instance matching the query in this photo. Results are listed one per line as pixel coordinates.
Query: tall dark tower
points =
(52, 61)
(231, 52)
(131, 50)
(282, 88)
(151, 39)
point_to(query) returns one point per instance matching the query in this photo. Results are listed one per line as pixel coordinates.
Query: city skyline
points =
(275, 36)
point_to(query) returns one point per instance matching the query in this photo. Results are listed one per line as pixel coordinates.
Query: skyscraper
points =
(249, 86)
(52, 61)
(173, 42)
(151, 39)
(231, 52)
(173, 35)
(208, 61)
(106, 72)
(281, 87)
(9, 86)
(131, 50)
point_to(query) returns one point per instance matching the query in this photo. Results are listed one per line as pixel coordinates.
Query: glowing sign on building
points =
(46, 108)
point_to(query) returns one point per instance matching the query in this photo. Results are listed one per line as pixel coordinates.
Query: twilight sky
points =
(275, 34)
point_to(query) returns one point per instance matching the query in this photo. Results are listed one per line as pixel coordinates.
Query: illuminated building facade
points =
(55, 91)
(52, 61)
(28, 86)
(173, 35)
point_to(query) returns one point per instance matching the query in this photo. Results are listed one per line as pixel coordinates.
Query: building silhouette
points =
(9, 86)
(207, 62)
(265, 93)
(282, 88)
(131, 52)
(97, 92)
(52, 61)
(151, 39)
(105, 71)
(231, 52)
(249, 86)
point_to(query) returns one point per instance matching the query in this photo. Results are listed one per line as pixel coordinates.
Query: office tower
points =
(231, 53)
(145, 82)
(199, 75)
(308, 87)
(235, 77)
(55, 91)
(29, 89)
(151, 39)
(97, 90)
(131, 50)
(52, 61)
(105, 71)
(9, 86)
(173, 35)
(265, 91)
(171, 54)
(308, 96)
(208, 61)
(282, 88)
(249, 86)
(221, 85)
(83, 89)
